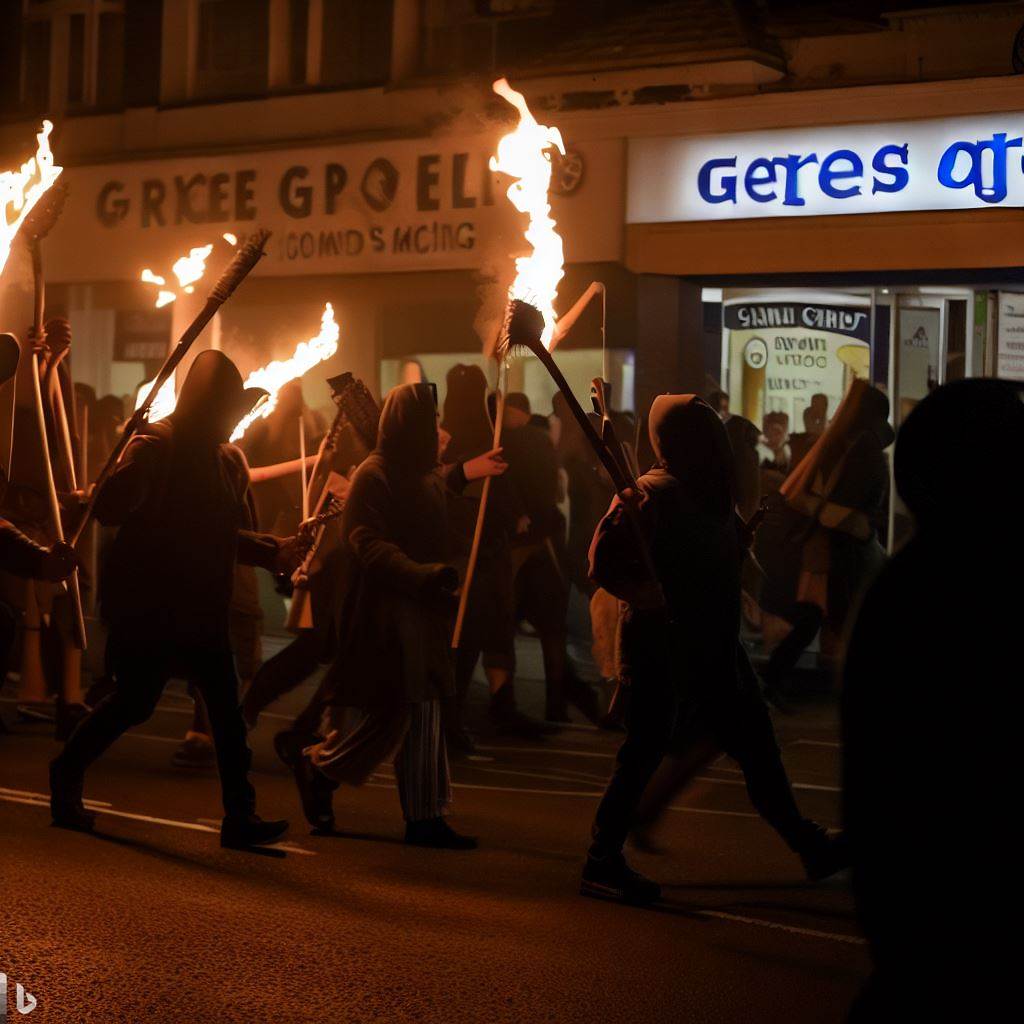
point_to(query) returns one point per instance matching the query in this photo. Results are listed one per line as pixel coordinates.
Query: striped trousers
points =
(409, 734)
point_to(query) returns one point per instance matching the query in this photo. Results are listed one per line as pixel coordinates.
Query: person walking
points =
(178, 498)
(393, 664)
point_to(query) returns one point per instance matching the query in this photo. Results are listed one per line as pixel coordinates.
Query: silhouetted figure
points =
(393, 665)
(775, 451)
(679, 645)
(490, 621)
(178, 498)
(836, 506)
(815, 418)
(931, 718)
(538, 555)
(743, 438)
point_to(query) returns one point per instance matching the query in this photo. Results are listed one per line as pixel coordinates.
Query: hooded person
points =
(679, 644)
(489, 625)
(824, 549)
(179, 501)
(392, 665)
(931, 717)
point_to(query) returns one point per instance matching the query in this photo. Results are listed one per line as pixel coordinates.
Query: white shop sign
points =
(395, 205)
(940, 164)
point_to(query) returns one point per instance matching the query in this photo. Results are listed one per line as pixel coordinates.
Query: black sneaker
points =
(611, 878)
(66, 805)
(825, 853)
(437, 834)
(243, 833)
(317, 794)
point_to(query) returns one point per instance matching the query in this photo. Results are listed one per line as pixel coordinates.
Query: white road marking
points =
(15, 796)
(814, 933)
(46, 797)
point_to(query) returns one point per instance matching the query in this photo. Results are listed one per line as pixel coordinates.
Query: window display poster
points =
(919, 355)
(1010, 365)
(783, 350)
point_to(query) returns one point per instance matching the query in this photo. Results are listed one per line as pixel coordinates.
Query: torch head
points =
(522, 330)
(39, 223)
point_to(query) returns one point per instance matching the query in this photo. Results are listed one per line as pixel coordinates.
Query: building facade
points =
(776, 195)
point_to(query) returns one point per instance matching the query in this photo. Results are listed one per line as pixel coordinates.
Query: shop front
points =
(889, 251)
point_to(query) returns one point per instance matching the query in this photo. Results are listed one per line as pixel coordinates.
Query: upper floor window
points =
(72, 55)
(356, 42)
(232, 46)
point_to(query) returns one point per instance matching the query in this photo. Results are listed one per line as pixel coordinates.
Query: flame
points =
(275, 375)
(20, 190)
(230, 238)
(525, 155)
(165, 401)
(187, 269)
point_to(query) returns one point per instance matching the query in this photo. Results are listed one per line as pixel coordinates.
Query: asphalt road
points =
(149, 920)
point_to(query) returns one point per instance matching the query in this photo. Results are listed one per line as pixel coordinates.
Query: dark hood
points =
(213, 398)
(957, 458)
(407, 432)
(465, 412)
(691, 444)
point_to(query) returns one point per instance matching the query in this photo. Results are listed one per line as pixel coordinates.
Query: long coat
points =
(393, 631)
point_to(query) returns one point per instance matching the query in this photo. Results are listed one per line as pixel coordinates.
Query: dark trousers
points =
(283, 672)
(737, 720)
(141, 672)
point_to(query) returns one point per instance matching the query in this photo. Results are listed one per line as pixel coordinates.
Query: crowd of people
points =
(733, 532)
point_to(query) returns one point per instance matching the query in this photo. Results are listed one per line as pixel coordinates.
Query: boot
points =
(244, 833)
(437, 834)
(66, 805)
(609, 877)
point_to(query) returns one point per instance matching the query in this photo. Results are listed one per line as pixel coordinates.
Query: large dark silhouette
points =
(679, 645)
(931, 713)
(178, 499)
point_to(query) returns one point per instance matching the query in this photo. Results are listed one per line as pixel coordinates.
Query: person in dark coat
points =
(679, 645)
(489, 626)
(538, 556)
(931, 713)
(393, 663)
(828, 549)
(178, 498)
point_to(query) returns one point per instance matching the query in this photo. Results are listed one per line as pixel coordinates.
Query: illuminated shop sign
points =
(942, 164)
